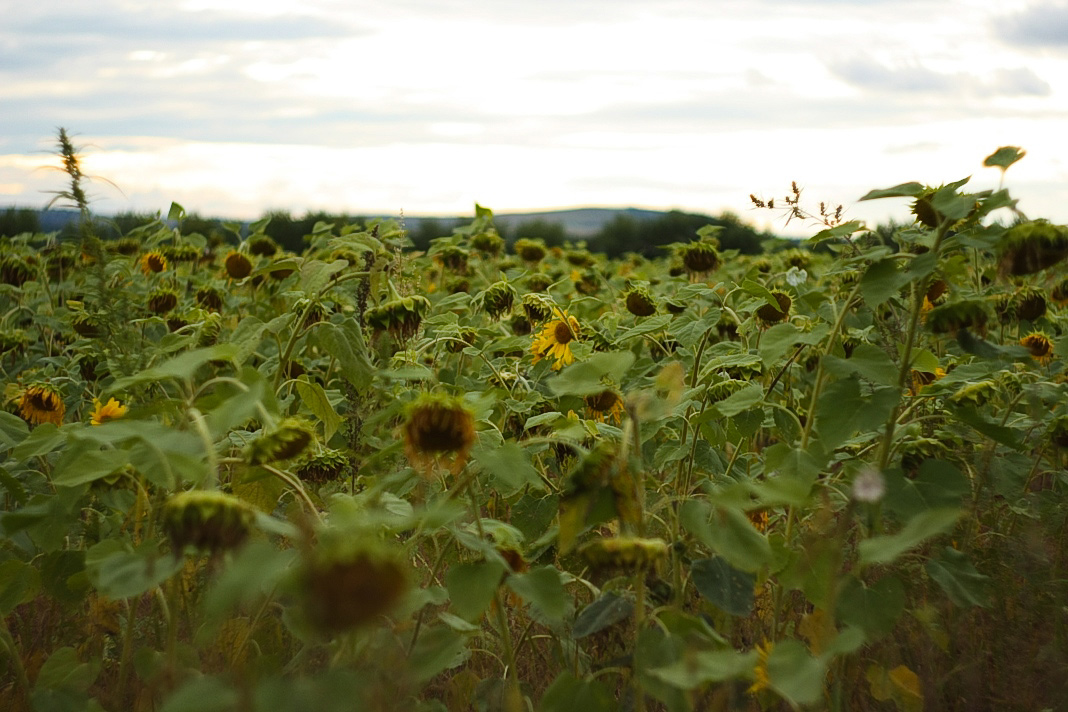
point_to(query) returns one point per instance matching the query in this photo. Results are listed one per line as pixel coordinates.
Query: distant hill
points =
(578, 223)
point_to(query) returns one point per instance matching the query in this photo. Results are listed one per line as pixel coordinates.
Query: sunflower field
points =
(367, 478)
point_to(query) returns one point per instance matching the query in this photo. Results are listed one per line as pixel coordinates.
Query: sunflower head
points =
(154, 261)
(624, 553)
(488, 243)
(727, 327)
(103, 412)
(41, 403)
(326, 466)
(262, 246)
(163, 300)
(801, 259)
(639, 302)
(438, 428)
(520, 324)
(537, 307)
(978, 394)
(1029, 303)
(207, 520)
(347, 583)
(606, 405)
(1059, 293)
(465, 337)
(554, 341)
(13, 340)
(453, 258)
(762, 265)
(773, 314)
(288, 439)
(400, 317)
(1057, 433)
(209, 298)
(538, 282)
(16, 271)
(1040, 346)
(700, 257)
(87, 325)
(498, 299)
(1031, 247)
(125, 246)
(954, 316)
(237, 265)
(531, 251)
(579, 258)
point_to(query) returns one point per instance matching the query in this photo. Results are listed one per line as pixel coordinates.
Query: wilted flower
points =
(41, 403)
(796, 277)
(628, 553)
(237, 265)
(761, 680)
(1031, 247)
(488, 243)
(401, 317)
(153, 261)
(606, 405)
(772, 314)
(954, 316)
(15, 271)
(161, 301)
(262, 246)
(323, 467)
(699, 257)
(640, 302)
(288, 439)
(210, 298)
(1029, 303)
(498, 299)
(1039, 345)
(530, 250)
(438, 428)
(207, 520)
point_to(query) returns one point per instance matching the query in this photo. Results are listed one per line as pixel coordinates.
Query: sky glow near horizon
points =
(424, 108)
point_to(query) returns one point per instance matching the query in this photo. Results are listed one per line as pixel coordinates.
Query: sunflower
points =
(555, 339)
(238, 266)
(103, 412)
(438, 428)
(41, 404)
(153, 261)
(606, 405)
(761, 681)
(1039, 345)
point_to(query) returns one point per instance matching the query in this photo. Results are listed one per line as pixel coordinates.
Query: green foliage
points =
(813, 477)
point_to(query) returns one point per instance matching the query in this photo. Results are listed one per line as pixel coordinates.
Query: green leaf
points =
(842, 410)
(13, 429)
(905, 190)
(542, 588)
(707, 666)
(868, 361)
(252, 573)
(739, 401)
(759, 291)
(648, 326)
(176, 212)
(571, 694)
(937, 484)
(843, 230)
(42, 440)
(119, 572)
(609, 609)
(202, 694)
(314, 274)
(314, 397)
(63, 671)
(510, 466)
(964, 585)
(585, 377)
(472, 586)
(881, 281)
(795, 674)
(19, 583)
(345, 342)
(1004, 157)
(439, 648)
(724, 586)
(182, 367)
(874, 609)
(80, 465)
(884, 549)
(728, 532)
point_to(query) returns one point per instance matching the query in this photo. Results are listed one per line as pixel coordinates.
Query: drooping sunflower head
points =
(488, 243)
(1030, 303)
(1040, 346)
(438, 428)
(554, 341)
(538, 282)
(237, 265)
(453, 258)
(209, 298)
(699, 258)
(153, 261)
(103, 412)
(537, 307)
(965, 314)
(349, 582)
(288, 439)
(87, 325)
(207, 520)
(640, 302)
(125, 246)
(262, 246)
(606, 405)
(41, 403)
(1057, 432)
(773, 314)
(1032, 247)
(498, 298)
(400, 317)
(624, 553)
(16, 271)
(978, 394)
(161, 301)
(323, 467)
(532, 251)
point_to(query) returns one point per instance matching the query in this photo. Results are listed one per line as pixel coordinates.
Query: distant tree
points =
(551, 233)
(648, 237)
(15, 221)
(211, 228)
(423, 230)
(123, 223)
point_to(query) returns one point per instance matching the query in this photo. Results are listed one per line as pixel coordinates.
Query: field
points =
(509, 477)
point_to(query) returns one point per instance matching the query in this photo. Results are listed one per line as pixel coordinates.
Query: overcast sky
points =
(234, 107)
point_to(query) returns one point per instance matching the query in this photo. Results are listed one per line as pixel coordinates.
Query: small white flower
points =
(869, 486)
(796, 277)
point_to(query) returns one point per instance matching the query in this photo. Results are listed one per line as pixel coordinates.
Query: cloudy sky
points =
(426, 107)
